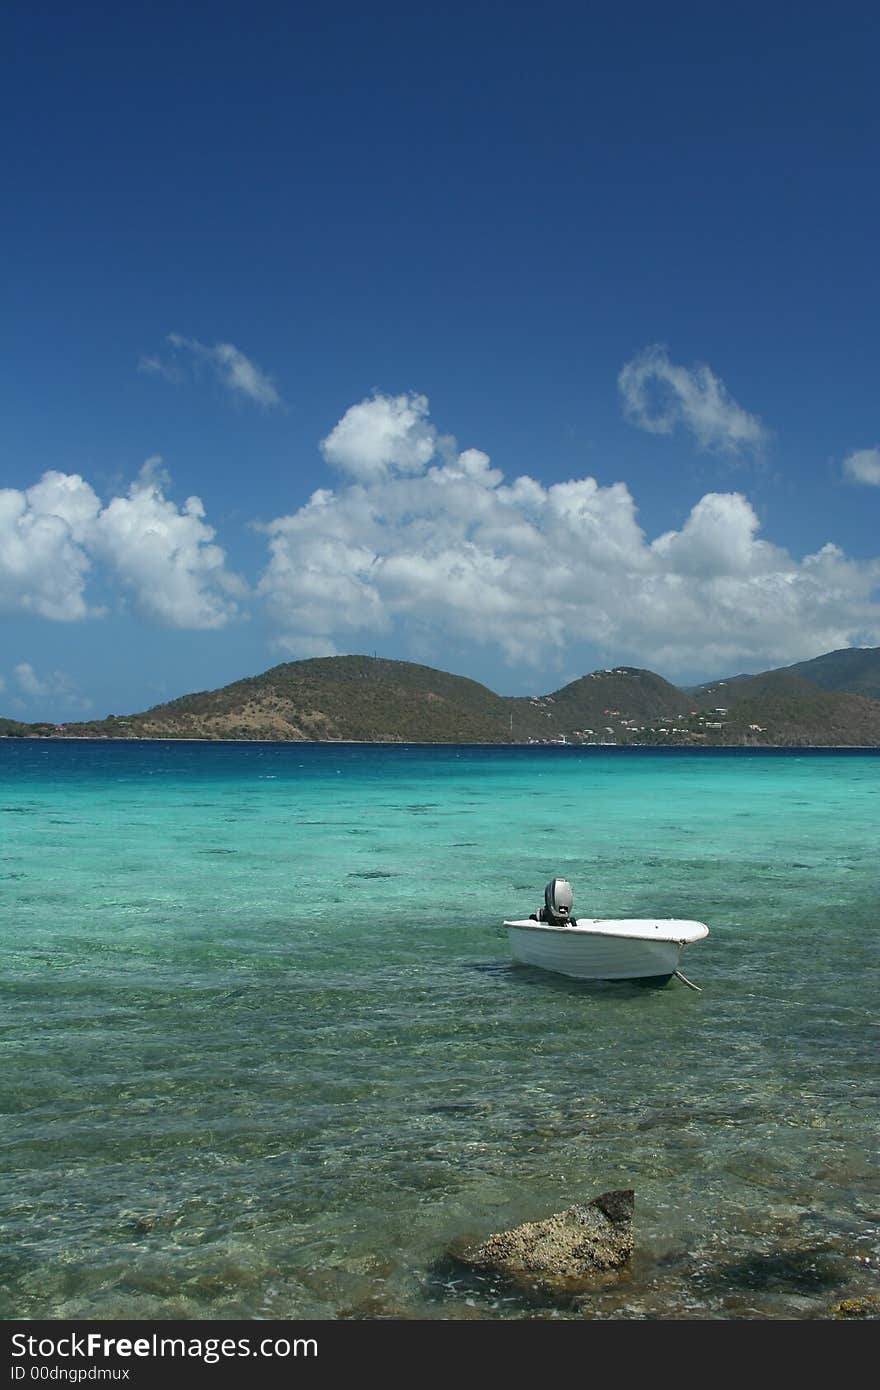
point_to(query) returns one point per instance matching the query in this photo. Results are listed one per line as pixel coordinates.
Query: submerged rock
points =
(563, 1251)
(868, 1306)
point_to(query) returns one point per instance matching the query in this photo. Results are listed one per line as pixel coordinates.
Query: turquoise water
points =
(264, 1053)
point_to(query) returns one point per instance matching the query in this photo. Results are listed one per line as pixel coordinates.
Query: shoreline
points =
(449, 743)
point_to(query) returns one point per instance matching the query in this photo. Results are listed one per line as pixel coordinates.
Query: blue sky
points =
(567, 314)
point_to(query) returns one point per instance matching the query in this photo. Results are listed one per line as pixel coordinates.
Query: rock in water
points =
(868, 1306)
(563, 1251)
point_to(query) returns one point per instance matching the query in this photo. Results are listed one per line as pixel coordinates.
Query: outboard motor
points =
(557, 902)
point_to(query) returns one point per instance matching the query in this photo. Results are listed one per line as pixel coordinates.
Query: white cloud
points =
(381, 434)
(718, 538)
(43, 562)
(236, 372)
(432, 546)
(55, 534)
(659, 396)
(448, 552)
(28, 680)
(863, 466)
(166, 557)
(152, 365)
(304, 647)
(57, 686)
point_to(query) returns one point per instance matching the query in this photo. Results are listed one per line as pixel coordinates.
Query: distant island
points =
(833, 700)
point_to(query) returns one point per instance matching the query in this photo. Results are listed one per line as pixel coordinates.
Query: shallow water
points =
(265, 1054)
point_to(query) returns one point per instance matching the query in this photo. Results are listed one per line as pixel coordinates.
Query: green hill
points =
(853, 671)
(370, 699)
(10, 728)
(768, 685)
(375, 700)
(804, 718)
(600, 704)
(340, 697)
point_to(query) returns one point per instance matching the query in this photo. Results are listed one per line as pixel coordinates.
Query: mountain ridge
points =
(376, 699)
(849, 670)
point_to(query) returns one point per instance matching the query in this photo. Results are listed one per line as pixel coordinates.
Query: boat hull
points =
(605, 951)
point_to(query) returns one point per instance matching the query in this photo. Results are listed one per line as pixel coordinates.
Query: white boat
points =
(611, 949)
(592, 948)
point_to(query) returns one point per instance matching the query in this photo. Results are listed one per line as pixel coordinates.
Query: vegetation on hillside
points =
(343, 698)
(371, 699)
(853, 671)
(814, 717)
(14, 728)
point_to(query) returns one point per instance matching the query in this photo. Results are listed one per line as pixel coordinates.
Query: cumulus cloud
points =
(718, 537)
(863, 466)
(28, 681)
(54, 535)
(446, 550)
(430, 544)
(660, 397)
(166, 557)
(379, 434)
(44, 563)
(56, 685)
(235, 372)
